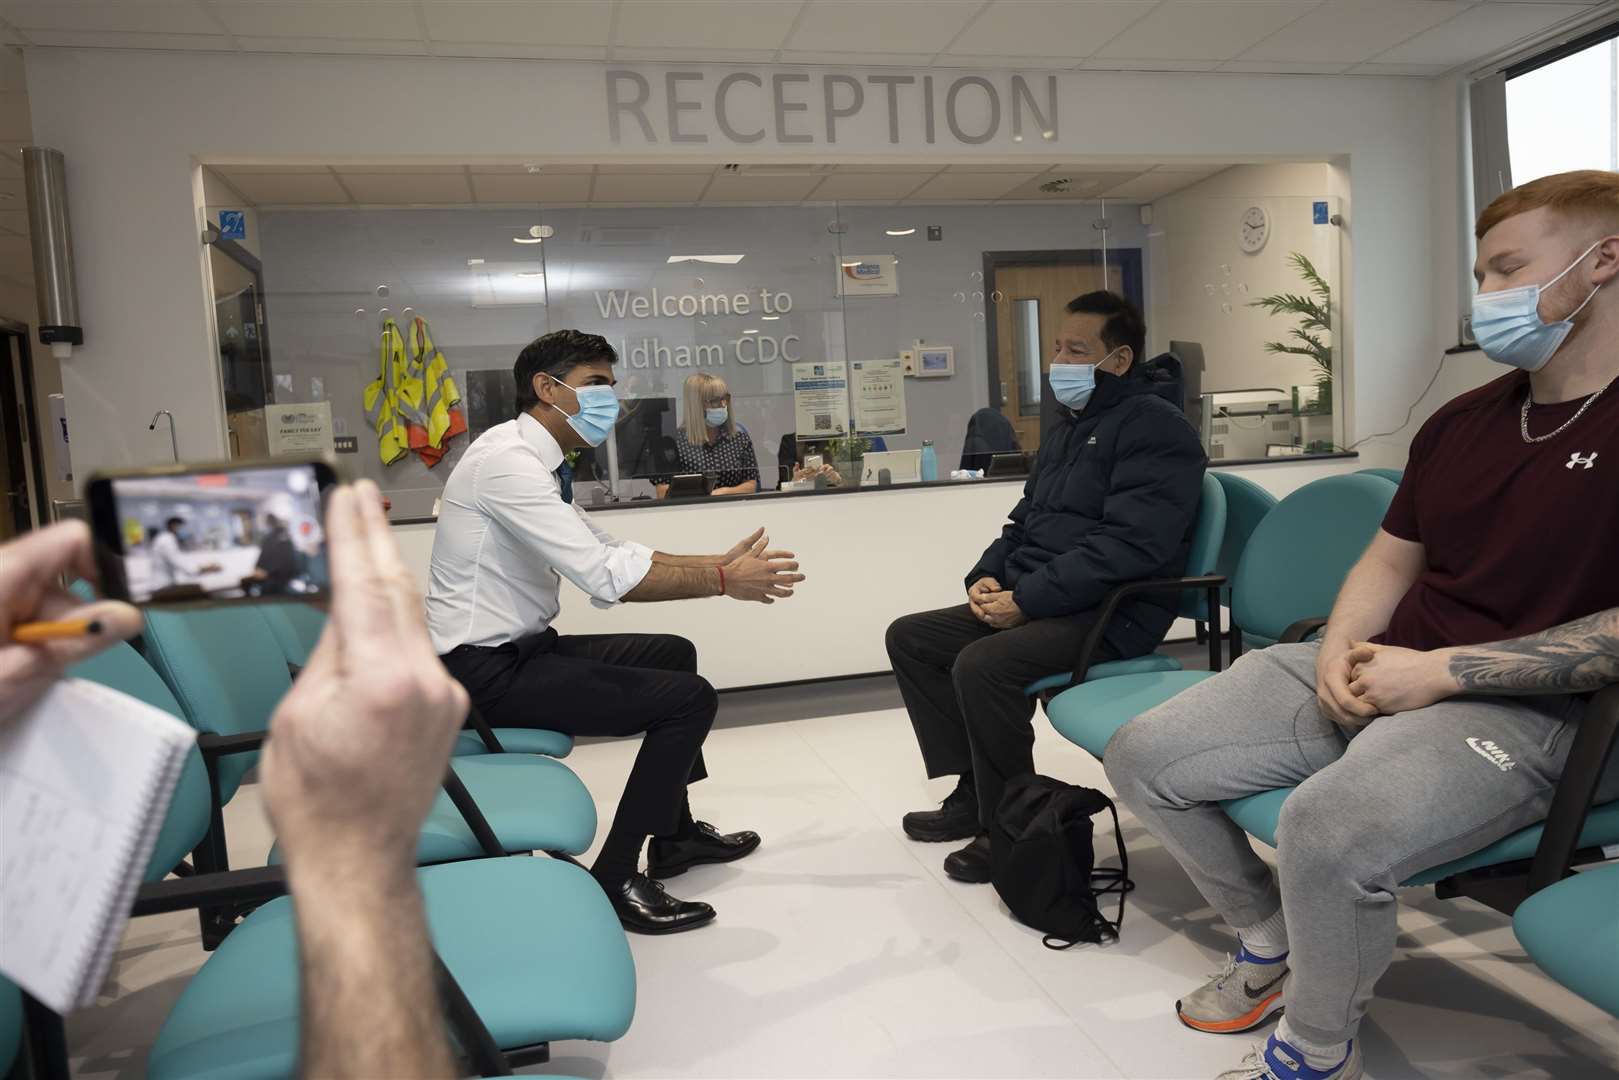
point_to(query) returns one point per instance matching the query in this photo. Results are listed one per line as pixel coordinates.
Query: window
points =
(1564, 115)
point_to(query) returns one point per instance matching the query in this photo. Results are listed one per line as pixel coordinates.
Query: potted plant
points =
(847, 454)
(1309, 338)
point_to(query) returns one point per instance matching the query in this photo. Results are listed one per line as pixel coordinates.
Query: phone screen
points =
(231, 534)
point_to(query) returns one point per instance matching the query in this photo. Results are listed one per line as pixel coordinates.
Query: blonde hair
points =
(1587, 192)
(701, 388)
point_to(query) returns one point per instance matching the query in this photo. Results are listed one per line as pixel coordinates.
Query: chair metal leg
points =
(468, 1027)
(44, 1054)
(1212, 600)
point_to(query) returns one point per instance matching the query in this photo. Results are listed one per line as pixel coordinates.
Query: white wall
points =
(134, 125)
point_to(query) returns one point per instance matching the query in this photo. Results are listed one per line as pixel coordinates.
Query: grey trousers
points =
(1373, 808)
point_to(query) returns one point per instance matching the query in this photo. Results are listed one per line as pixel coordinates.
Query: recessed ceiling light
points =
(474, 262)
(532, 168)
(900, 232)
(770, 318)
(538, 231)
(527, 240)
(750, 331)
(531, 273)
(721, 260)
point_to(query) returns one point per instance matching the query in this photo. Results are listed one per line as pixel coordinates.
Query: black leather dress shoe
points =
(972, 863)
(667, 856)
(955, 819)
(644, 907)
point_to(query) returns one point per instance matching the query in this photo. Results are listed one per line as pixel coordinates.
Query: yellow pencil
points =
(33, 633)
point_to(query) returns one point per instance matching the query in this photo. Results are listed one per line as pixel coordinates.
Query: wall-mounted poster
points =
(868, 275)
(821, 399)
(879, 396)
(299, 429)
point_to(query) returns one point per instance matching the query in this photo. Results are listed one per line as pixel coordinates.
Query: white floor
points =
(841, 950)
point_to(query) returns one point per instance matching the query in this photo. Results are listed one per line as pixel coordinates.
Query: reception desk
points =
(871, 555)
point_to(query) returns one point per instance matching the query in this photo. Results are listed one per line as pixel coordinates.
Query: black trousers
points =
(597, 684)
(963, 685)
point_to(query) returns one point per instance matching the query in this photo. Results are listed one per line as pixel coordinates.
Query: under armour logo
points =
(1589, 460)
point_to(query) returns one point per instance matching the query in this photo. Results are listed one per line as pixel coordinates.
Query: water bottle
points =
(930, 462)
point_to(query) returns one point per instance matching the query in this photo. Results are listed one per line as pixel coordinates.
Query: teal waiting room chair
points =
(228, 672)
(529, 950)
(298, 627)
(1291, 566)
(10, 1025)
(1572, 931)
(1200, 600)
(1391, 475)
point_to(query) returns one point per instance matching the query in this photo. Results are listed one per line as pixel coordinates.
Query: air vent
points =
(622, 235)
(1219, 429)
(1057, 187)
(780, 170)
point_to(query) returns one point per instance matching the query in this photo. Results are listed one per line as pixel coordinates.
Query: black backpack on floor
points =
(1044, 863)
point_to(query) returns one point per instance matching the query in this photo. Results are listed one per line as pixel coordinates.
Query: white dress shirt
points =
(168, 566)
(505, 539)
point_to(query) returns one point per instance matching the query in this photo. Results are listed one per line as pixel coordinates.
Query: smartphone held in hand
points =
(250, 530)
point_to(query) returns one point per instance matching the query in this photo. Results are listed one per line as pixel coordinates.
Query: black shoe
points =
(972, 863)
(955, 819)
(644, 907)
(668, 856)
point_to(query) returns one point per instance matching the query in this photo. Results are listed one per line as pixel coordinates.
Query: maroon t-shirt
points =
(1518, 537)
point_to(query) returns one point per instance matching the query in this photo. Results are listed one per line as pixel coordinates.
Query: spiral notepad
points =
(85, 780)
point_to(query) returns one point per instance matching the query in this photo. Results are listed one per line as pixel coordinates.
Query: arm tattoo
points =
(1573, 658)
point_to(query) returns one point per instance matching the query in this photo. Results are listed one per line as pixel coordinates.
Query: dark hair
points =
(556, 354)
(1124, 326)
(173, 521)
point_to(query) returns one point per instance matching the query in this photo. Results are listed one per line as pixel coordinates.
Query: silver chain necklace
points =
(1528, 399)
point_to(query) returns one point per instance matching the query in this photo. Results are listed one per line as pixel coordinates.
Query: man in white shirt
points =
(508, 532)
(169, 565)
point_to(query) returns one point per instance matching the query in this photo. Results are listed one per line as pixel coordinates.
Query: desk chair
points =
(529, 950)
(297, 627)
(228, 673)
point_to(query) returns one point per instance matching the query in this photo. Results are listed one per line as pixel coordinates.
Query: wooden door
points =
(1032, 304)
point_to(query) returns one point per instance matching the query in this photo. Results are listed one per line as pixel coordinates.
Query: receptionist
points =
(711, 442)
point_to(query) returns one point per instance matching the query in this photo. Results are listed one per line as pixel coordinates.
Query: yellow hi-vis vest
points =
(439, 392)
(381, 398)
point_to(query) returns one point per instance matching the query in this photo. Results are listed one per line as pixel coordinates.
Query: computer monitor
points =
(1190, 354)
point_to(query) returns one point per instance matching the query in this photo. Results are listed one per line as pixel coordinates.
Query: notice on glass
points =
(299, 429)
(879, 397)
(821, 399)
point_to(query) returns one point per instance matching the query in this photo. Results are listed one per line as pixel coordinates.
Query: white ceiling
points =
(1357, 37)
(689, 185)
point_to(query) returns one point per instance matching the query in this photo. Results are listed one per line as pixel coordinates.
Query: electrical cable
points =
(1409, 413)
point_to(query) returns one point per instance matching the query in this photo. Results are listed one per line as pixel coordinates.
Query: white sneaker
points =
(1239, 997)
(1276, 1060)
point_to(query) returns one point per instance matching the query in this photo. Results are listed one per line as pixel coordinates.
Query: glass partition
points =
(832, 343)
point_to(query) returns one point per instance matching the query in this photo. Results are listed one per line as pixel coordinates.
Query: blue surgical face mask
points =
(717, 417)
(598, 411)
(1508, 327)
(1073, 384)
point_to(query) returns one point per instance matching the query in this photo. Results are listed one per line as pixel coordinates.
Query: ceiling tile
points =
(539, 187)
(1153, 185)
(408, 188)
(1083, 185)
(1423, 70)
(953, 185)
(1204, 29)
(218, 191)
(519, 22)
(1123, 64)
(858, 59)
(339, 46)
(130, 16)
(1032, 168)
(1478, 32)
(544, 167)
(1028, 28)
(1286, 67)
(868, 185)
(363, 19)
(1353, 30)
(289, 188)
(233, 171)
(362, 170)
(649, 188)
(673, 167)
(883, 167)
(502, 51)
(694, 54)
(95, 39)
(899, 26)
(992, 62)
(716, 24)
(732, 187)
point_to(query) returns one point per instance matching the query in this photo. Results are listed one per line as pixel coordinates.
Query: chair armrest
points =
(1594, 741)
(1121, 593)
(207, 890)
(1302, 630)
(215, 746)
(467, 807)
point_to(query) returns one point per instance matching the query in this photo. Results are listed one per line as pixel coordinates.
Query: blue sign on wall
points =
(1321, 214)
(233, 224)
